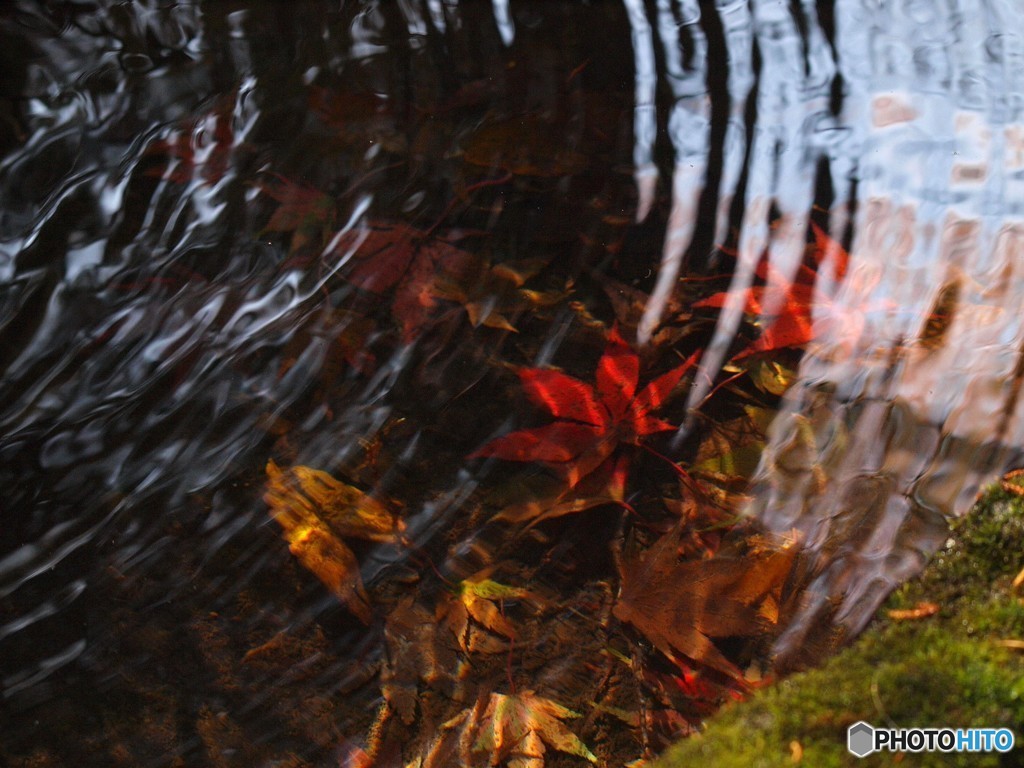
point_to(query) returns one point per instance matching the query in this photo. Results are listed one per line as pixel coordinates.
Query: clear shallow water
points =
(160, 340)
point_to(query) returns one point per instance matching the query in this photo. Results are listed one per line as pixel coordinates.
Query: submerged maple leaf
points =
(681, 606)
(404, 262)
(605, 486)
(419, 653)
(591, 420)
(305, 211)
(516, 729)
(315, 511)
(490, 293)
(481, 598)
(793, 326)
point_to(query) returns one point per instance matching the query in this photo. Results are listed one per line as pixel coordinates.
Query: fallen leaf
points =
(1011, 483)
(591, 420)
(346, 510)
(403, 262)
(771, 376)
(921, 611)
(606, 485)
(324, 555)
(793, 326)
(315, 511)
(491, 293)
(482, 598)
(681, 606)
(419, 652)
(629, 304)
(304, 211)
(516, 730)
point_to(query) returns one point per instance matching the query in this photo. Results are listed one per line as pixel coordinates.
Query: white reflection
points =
(645, 121)
(689, 130)
(909, 397)
(503, 18)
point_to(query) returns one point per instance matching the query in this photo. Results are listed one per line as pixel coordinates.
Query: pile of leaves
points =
(677, 597)
(594, 592)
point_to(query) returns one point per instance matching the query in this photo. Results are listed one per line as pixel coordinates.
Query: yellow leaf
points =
(345, 509)
(487, 613)
(517, 727)
(314, 511)
(327, 557)
(477, 596)
(770, 376)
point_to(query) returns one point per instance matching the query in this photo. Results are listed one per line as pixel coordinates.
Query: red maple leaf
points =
(404, 263)
(304, 211)
(591, 421)
(793, 326)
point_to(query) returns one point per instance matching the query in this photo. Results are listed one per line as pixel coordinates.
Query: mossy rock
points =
(950, 669)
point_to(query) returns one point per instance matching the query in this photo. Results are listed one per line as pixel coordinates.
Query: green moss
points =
(949, 669)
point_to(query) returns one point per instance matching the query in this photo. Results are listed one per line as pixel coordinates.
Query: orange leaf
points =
(314, 511)
(921, 611)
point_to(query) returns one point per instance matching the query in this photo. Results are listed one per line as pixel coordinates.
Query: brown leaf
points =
(326, 556)
(418, 651)
(606, 485)
(407, 263)
(629, 303)
(681, 606)
(481, 598)
(305, 211)
(490, 294)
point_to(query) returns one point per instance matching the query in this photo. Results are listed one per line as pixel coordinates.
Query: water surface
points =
(205, 211)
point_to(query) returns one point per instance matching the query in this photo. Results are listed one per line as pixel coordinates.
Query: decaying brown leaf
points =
(315, 511)
(681, 606)
(326, 556)
(418, 651)
(490, 293)
(628, 303)
(606, 485)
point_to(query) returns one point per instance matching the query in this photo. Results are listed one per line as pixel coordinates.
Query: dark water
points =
(166, 329)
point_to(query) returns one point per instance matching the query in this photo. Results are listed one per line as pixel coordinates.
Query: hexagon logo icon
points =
(860, 739)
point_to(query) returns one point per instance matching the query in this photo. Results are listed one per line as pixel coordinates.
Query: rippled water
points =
(161, 337)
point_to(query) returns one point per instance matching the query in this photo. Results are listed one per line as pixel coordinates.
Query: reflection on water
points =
(909, 113)
(207, 210)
